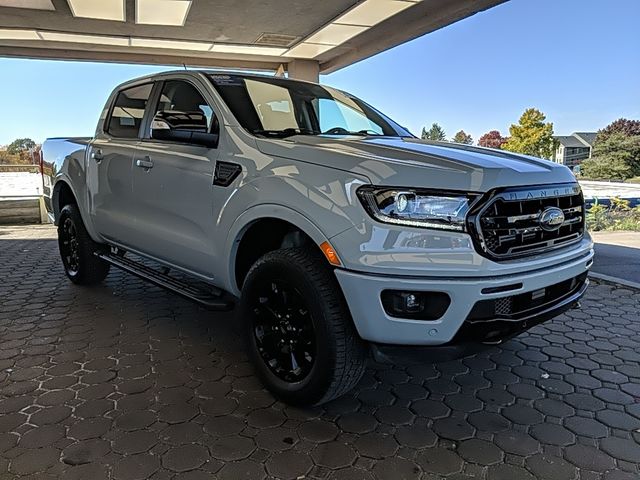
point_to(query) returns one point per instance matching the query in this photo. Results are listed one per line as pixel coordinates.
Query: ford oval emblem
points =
(551, 219)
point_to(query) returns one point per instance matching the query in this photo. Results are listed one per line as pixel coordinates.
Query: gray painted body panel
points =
(64, 162)
(409, 162)
(362, 292)
(398, 250)
(109, 188)
(173, 221)
(174, 213)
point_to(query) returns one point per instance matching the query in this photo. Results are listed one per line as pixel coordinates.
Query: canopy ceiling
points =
(255, 34)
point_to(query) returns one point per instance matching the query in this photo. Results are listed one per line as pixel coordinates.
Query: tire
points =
(328, 356)
(77, 249)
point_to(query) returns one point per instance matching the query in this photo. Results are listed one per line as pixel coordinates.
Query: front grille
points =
(509, 224)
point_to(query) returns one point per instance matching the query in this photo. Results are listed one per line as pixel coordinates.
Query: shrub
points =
(617, 156)
(605, 169)
(617, 216)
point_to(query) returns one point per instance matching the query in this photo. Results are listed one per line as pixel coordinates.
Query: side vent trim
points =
(225, 173)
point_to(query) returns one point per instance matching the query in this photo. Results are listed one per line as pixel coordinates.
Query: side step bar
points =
(216, 299)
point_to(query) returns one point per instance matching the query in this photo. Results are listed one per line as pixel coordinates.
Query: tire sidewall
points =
(91, 270)
(310, 389)
(69, 212)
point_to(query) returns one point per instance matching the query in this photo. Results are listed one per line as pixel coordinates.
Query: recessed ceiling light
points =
(162, 12)
(170, 44)
(32, 4)
(11, 34)
(334, 34)
(76, 38)
(247, 49)
(371, 12)
(98, 9)
(307, 50)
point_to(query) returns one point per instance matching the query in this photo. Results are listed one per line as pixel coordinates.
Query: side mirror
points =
(163, 127)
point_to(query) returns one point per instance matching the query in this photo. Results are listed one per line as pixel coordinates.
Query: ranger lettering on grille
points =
(543, 193)
(517, 222)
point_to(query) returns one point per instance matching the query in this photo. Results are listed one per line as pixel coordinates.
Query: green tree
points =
(435, 133)
(20, 145)
(462, 137)
(615, 156)
(531, 136)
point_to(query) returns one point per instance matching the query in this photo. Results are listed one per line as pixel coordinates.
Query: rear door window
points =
(128, 111)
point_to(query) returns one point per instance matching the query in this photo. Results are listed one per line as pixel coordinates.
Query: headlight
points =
(416, 208)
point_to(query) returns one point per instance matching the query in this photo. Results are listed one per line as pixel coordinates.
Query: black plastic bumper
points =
(477, 336)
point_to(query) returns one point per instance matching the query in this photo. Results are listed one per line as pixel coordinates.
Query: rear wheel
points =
(77, 249)
(300, 334)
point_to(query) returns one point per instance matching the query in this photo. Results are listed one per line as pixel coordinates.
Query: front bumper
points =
(459, 324)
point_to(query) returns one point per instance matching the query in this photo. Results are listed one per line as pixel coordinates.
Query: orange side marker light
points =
(330, 253)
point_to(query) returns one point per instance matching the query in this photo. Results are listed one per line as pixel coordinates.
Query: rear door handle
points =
(97, 155)
(144, 163)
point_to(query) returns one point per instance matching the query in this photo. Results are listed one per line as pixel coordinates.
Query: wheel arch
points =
(262, 229)
(63, 194)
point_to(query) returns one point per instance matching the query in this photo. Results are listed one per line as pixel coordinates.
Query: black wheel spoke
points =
(284, 331)
(69, 246)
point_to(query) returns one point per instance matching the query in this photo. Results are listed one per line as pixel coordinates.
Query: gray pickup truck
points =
(337, 232)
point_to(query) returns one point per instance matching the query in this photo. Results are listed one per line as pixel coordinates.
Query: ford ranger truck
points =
(337, 232)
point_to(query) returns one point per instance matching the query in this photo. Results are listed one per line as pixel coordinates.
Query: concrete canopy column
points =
(308, 70)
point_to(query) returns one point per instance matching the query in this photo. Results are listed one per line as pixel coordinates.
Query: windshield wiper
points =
(286, 132)
(344, 131)
(367, 133)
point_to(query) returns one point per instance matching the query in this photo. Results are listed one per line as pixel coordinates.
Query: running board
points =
(215, 300)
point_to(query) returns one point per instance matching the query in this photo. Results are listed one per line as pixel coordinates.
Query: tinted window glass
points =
(346, 114)
(271, 106)
(181, 107)
(128, 111)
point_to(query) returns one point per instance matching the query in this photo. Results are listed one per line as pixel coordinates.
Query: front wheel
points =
(77, 249)
(301, 338)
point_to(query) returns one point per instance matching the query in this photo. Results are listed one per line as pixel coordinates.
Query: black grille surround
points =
(505, 223)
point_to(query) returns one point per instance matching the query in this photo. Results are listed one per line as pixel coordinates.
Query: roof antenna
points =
(185, 66)
(280, 71)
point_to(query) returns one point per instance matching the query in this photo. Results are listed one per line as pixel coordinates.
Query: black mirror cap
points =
(203, 139)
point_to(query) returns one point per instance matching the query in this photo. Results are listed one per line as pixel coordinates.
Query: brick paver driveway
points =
(125, 381)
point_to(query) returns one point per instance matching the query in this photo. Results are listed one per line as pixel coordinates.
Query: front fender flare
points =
(260, 212)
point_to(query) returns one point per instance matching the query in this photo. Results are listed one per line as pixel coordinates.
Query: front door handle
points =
(97, 155)
(144, 163)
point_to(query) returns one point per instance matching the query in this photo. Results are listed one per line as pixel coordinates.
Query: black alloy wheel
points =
(283, 330)
(300, 335)
(69, 247)
(77, 249)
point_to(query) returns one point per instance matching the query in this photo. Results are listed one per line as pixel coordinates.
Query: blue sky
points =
(576, 60)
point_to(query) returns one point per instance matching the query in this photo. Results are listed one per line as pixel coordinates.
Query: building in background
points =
(573, 149)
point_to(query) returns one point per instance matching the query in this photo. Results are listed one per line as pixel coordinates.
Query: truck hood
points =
(410, 162)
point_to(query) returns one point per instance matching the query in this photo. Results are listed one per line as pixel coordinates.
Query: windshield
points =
(277, 107)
